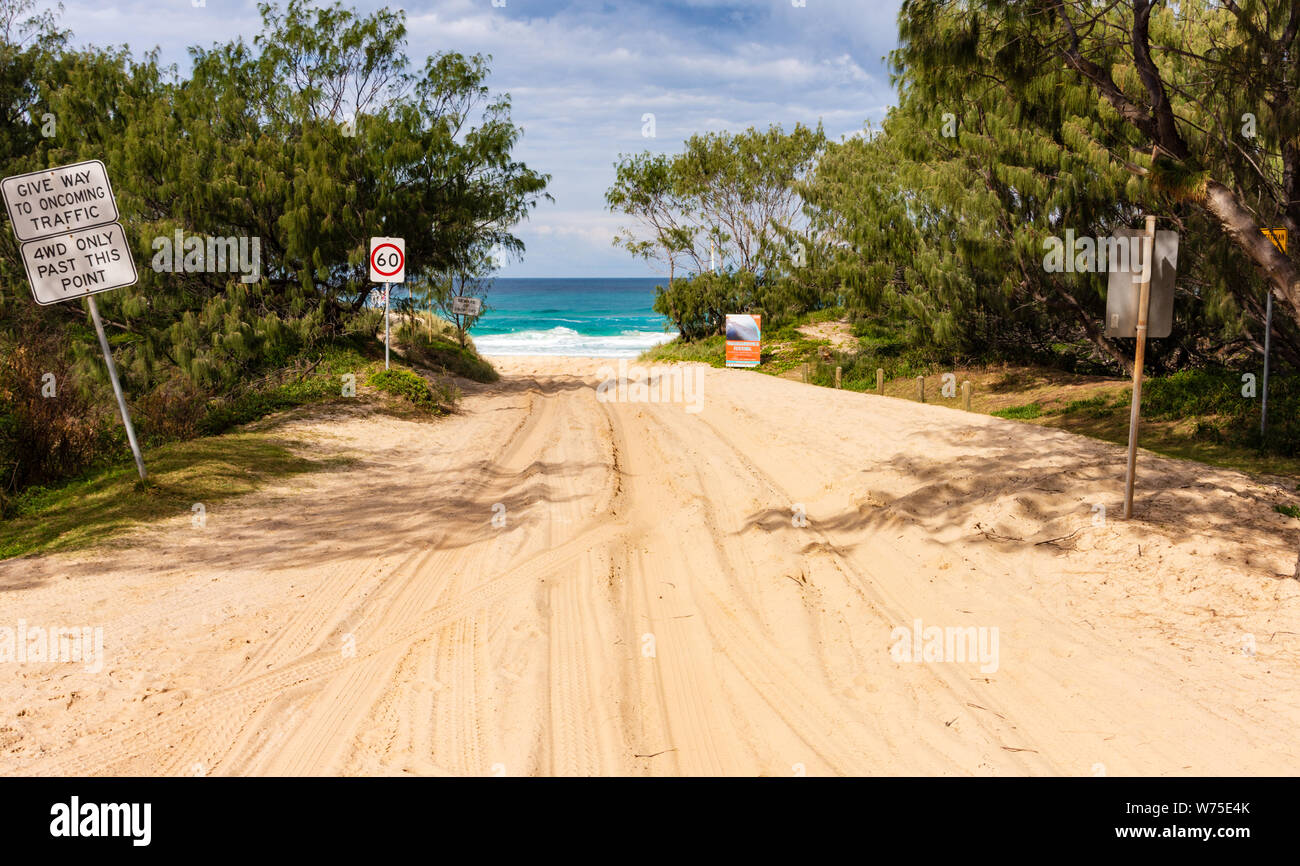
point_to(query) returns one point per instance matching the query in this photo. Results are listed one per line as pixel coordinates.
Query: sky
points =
(582, 74)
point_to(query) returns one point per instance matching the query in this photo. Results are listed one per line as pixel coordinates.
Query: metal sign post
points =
(117, 387)
(1268, 334)
(1139, 359)
(1278, 237)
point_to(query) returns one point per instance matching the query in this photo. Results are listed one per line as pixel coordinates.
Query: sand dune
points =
(672, 592)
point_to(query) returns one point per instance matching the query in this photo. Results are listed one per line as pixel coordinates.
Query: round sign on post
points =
(388, 260)
(387, 265)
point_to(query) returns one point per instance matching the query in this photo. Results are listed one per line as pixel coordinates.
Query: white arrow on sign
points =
(79, 263)
(59, 200)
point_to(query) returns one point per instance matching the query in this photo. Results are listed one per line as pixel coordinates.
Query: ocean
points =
(590, 317)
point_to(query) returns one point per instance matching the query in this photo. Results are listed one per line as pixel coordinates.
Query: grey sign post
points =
(1278, 237)
(65, 219)
(1268, 339)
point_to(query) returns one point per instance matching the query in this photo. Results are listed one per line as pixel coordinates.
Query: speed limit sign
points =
(387, 260)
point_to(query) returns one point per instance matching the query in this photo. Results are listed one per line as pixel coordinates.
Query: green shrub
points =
(1193, 392)
(253, 404)
(698, 306)
(1217, 393)
(409, 386)
(307, 381)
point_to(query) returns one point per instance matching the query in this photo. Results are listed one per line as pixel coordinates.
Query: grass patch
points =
(710, 350)
(411, 387)
(450, 357)
(1288, 510)
(88, 510)
(1097, 406)
(780, 357)
(320, 381)
(222, 415)
(1020, 413)
(358, 357)
(827, 314)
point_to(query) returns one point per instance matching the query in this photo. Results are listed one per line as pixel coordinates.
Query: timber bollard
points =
(880, 381)
(838, 370)
(965, 395)
(920, 389)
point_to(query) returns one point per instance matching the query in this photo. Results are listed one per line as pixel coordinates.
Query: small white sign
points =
(387, 260)
(59, 200)
(466, 306)
(79, 263)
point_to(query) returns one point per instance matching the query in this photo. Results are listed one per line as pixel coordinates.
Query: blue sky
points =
(582, 73)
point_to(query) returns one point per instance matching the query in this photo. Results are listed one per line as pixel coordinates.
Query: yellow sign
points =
(1277, 236)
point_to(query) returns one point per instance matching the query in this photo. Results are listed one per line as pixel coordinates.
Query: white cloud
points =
(582, 72)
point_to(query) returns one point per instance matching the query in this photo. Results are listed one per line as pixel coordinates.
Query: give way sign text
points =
(57, 200)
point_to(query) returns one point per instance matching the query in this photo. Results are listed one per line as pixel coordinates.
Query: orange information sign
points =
(744, 339)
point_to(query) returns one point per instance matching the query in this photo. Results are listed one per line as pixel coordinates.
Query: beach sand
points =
(670, 592)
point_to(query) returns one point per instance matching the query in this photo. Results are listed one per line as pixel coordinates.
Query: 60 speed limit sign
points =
(388, 260)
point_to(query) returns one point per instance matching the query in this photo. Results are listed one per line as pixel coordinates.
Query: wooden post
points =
(1139, 359)
(920, 389)
(965, 395)
(805, 372)
(880, 381)
(838, 370)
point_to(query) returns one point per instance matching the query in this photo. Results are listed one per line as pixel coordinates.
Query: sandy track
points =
(653, 606)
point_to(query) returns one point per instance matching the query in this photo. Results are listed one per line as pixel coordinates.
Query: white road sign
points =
(79, 263)
(59, 200)
(466, 306)
(66, 220)
(387, 260)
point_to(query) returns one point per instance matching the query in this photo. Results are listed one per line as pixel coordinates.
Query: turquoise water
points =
(594, 317)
